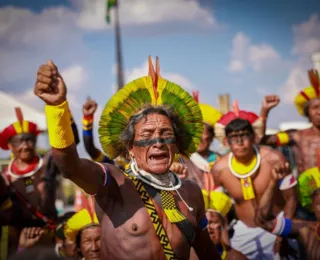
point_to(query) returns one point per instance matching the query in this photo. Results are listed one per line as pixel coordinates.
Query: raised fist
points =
(89, 108)
(30, 236)
(270, 102)
(180, 169)
(280, 170)
(50, 86)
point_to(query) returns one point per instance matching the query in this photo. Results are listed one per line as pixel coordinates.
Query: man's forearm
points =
(265, 204)
(290, 207)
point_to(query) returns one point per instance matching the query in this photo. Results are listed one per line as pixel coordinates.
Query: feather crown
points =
(155, 91)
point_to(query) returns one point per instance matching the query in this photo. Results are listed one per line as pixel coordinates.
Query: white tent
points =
(8, 116)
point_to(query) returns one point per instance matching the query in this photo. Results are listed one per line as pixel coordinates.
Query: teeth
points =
(152, 158)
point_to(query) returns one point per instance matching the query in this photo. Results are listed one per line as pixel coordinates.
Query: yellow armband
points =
(59, 128)
(282, 138)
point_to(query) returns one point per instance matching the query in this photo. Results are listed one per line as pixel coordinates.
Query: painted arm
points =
(203, 245)
(88, 109)
(264, 218)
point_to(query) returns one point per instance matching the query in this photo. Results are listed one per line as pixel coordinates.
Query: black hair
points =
(237, 125)
(209, 128)
(315, 193)
(127, 137)
(306, 110)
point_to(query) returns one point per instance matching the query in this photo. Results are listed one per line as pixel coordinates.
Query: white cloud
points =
(145, 12)
(297, 80)
(174, 77)
(307, 36)
(246, 55)
(306, 41)
(75, 77)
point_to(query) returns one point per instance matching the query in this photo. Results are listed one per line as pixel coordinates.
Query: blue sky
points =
(247, 48)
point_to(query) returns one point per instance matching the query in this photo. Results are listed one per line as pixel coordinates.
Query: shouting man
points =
(245, 172)
(146, 212)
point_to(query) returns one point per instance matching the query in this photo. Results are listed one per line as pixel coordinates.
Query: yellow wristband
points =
(59, 127)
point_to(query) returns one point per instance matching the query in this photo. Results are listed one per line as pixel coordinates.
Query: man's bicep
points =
(90, 176)
(216, 174)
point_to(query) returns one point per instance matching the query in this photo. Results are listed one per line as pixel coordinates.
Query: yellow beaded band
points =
(282, 138)
(59, 127)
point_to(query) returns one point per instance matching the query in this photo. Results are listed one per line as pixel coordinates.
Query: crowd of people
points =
(156, 190)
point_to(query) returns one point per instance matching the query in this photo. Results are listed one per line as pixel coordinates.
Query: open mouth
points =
(158, 156)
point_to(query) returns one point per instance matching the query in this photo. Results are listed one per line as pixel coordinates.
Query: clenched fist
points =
(50, 86)
(280, 170)
(270, 102)
(89, 108)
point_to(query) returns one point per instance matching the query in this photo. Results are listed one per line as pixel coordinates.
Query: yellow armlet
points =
(282, 138)
(59, 127)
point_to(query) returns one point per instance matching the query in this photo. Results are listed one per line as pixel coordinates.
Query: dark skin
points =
(307, 141)
(215, 225)
(127, 231)
(305, 230)
(90, 243)
(88, 109)
(241, 144)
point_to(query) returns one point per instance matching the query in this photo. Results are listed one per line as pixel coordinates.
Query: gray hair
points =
(127, 136)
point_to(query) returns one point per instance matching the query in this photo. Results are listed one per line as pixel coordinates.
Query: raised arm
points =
(264, 218)
(88, 109)
(51, 88)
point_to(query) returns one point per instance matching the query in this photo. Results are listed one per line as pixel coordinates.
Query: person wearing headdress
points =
(306, 142)
(88, 109)
(31, 185)
(216, 210)
(203, 159)
(244, 172)
(83, 229)
(147, 211)
(64, 247)
(308, 232)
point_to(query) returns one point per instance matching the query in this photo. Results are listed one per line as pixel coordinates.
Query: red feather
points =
(154, 74)
(19, 116)
(88, 205)
(314, 80)
(195, 95)
(235, 108)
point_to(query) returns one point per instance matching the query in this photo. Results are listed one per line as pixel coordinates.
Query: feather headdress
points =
(254, 120)
(308, 182)
(19, 127)
(218, 202)
(308, 93)
(82, 219)
(210, 114)
(155, 91)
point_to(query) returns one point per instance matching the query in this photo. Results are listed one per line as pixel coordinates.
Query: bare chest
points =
(130, 230)
(259, 181)
(308, 146)
(311, 244)
(30, 188)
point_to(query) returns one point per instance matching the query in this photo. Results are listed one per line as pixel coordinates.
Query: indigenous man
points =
(31, 184)
(216, 210)
(146, 212)
(244, 172)
(308, 140)
(201, 162)
(83, 228)
(307, 231)
(306, 143)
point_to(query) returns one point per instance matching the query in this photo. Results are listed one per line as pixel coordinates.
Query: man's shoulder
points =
(221, 164)
(270, 154)
(190, 185)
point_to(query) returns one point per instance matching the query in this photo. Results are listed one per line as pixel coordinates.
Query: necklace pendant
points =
(29, 185)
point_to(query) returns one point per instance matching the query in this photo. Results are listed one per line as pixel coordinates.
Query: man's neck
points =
(23, 163)
(316, 130)
(248, 158)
